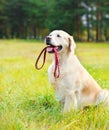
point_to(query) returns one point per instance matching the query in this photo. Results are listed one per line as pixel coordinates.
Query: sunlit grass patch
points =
(27, 100)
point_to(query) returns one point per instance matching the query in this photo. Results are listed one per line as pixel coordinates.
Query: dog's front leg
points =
(70, 103)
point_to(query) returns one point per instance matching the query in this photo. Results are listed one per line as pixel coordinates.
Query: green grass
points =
(27, 100)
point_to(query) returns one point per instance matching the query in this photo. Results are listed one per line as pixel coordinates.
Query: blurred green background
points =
(34, 19)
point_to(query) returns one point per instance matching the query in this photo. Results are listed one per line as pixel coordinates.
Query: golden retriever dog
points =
(75, 88)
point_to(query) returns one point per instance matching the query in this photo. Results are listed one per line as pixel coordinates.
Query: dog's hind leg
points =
(103, 98)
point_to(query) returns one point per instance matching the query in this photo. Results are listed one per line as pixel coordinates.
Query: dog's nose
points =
(48, 39)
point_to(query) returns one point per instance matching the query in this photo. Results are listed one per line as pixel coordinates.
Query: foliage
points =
(33, 19)
(27, 100)
(68, 17)
(24, 17)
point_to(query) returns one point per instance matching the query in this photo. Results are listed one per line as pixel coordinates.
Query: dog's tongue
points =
(50, 49)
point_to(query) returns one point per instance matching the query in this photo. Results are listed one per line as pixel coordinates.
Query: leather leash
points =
(56, 69)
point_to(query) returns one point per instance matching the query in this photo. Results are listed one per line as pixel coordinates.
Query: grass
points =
(27, 100)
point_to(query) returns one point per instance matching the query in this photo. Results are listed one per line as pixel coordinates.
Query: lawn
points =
(27, 100)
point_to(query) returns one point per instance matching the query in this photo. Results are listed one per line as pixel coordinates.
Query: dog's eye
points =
(58, 35)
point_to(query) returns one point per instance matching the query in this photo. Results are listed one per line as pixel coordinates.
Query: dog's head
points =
(61, 40)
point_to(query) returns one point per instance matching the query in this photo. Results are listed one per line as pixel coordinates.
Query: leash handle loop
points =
(44, 54)
(56, 69)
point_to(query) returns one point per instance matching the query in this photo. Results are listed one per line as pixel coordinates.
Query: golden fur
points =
(75, 88)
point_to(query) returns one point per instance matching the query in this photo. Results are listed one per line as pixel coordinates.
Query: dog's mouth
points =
(50, 48)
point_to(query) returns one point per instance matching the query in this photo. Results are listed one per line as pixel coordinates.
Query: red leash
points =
(56, 69)
(56, 64)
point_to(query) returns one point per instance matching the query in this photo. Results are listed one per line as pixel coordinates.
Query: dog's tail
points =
(103, 98)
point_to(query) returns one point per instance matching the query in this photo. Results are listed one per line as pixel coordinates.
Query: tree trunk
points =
(88, 28)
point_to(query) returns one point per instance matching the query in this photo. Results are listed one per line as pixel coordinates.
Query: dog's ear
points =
(72, 44)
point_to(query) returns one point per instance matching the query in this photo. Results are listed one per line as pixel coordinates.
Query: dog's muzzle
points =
(51, 47)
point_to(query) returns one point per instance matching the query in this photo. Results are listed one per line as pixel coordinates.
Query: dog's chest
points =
(67, 83)
(60, 81)
(67, 74)
(62, 85)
